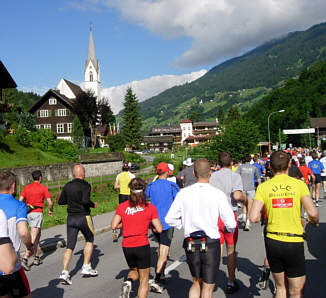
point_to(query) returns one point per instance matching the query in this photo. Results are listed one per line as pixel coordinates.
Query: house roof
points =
(6, 81)
(65, 100)
(205, 123)
(186, 121)
(318, 122)
(76, 90)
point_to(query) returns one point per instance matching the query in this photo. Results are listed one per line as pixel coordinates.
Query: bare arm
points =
(158, 228)
(25, 236)
(21, 198)
(116, 184)
(50, 203)
(255, 211)
(311, 210)
(116, 222)
(237, 195)
(8, 258)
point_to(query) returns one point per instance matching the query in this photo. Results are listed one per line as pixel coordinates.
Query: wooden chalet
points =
(6, 82)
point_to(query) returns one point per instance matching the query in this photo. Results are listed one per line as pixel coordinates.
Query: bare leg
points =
(195, 289)
(162, 258)
(296, 286)
(280, 285)
(231, 262)
(313, 190)
(88, 250)
(133, 274)
(143, 282)
(207, 290)
(66, 258)
(35, 235)
(317, 190)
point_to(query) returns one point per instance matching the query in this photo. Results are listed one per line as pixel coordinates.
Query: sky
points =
(149, 45)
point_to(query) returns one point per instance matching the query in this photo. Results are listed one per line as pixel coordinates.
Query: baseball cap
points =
(162, 168)
(171, 167)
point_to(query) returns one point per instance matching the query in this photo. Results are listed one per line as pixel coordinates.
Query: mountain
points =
(242, 80)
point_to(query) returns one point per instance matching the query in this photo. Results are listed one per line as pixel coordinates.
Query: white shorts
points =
(35, 219)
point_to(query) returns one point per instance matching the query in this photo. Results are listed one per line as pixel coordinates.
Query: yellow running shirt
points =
(124, 179)
(281, 196)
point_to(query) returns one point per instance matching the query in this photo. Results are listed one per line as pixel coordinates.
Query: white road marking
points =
(174, 265)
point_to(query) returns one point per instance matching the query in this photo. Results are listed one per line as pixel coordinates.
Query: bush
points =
(132, 157)
(66, 149)
(23, 136)
(44, 139)
(161, 158)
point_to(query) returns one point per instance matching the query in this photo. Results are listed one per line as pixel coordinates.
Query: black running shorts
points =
(138, 257)
(165, 237)
(204, 264)
(15, 284)
(286, 257)
(123, 198)
(76, 223)
(317, 178)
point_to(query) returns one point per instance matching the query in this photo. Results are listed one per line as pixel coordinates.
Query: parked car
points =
(134, 167)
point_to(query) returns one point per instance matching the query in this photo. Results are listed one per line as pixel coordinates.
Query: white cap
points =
(171, 166)
(188, 162)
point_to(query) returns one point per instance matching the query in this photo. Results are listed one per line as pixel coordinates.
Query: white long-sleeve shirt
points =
(198, 207)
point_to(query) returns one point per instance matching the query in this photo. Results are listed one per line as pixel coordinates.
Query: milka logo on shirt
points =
(133, 210)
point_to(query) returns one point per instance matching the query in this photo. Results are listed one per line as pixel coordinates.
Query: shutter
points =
(67, 112)
(56, 113)
(38, 114)
(49, 113)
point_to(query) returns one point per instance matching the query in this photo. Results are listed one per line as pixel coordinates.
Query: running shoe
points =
(37, 261)
(155, 287)
(317, 204)
(114, 236)
(125, 289)
(65, 278)
(232, 288)
(263, 280)
(25, 265)
(87, 270)
(247, 226)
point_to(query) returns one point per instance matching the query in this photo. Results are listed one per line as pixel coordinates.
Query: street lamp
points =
(269, 134)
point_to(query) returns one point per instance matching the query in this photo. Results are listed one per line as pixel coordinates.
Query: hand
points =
(30, 251)
(50, 213)
(95, 204)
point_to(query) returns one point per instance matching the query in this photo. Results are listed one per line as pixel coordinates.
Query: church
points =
(55, 109)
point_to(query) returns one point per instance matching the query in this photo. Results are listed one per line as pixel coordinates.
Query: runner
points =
(260, 168)
(197, 209)
(8, 257)
(76, 194)
(187, 174)
(136, 215)
(317, 168)
(34, 194)
(171, 176)
(283, 196)
(121, 184)
(161, 194)
(16, 283)
(231, 184)
(323, 174)
(247, 173)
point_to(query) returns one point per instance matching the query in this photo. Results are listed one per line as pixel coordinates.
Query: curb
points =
(62, 243)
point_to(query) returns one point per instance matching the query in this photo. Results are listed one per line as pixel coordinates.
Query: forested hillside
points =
(301, 99)
(253, 73)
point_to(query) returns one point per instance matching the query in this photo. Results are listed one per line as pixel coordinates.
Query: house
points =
(158, 143)
(55, 108)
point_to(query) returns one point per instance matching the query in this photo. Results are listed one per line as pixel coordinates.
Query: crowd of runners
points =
(209, 200)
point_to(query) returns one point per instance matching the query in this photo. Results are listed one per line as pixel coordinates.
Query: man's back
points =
(35, 193)
(228, 182)
(247, 173)
(188, 176)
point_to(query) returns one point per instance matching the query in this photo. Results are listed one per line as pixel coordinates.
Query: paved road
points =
(109, 261)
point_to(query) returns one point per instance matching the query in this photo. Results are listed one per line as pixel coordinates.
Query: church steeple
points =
(92, 68)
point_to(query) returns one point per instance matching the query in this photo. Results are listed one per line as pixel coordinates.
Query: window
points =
(69, 127)
(38, 126)
(62, 112)
(188, 127)
(91, 76)
(52, 101)
(43, 113)
(184, 128)
(47, 126)
(60, 128)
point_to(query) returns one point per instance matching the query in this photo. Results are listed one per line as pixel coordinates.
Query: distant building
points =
(55, 109)
(188, 132)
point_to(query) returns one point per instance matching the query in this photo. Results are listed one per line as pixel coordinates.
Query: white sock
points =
(248, 222)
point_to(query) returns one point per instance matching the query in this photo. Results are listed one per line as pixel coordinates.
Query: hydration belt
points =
(304, 236)
(198, 241)
(33, 207)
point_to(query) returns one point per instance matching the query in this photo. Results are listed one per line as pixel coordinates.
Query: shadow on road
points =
(94, 260)
(49, 291)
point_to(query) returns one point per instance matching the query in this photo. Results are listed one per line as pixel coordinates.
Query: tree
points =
(220, 115)
(131, 120)
(105, 112)
(77, 133)
(27, 121)
(233, 114)
(116, 143)
(86, 107)
(240, 137)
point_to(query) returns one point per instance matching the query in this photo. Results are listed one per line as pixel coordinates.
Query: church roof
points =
(6, 81)
(73, 87)
(91, 52)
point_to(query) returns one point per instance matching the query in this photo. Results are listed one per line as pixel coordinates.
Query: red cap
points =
(162, 168)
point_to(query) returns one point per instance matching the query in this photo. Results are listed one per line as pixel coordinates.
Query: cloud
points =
(37, 90)
(147, 88)
(220, 29)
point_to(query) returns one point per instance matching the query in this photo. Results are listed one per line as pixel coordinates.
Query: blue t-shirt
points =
(260, 171)
(15, 212)
(316, 166)
(161, 193)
